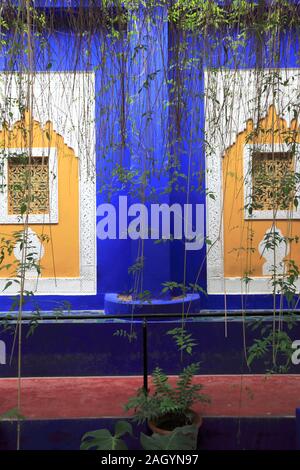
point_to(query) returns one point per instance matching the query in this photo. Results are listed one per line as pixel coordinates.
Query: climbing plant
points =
(155, 140)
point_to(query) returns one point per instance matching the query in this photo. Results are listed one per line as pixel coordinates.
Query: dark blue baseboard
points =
(215, 434)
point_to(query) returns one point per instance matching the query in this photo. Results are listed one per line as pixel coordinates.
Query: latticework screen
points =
(31, 179)
(272, 180)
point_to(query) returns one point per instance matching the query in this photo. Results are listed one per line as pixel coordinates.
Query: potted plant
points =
(168, 407)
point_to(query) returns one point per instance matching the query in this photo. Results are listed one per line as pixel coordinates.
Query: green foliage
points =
(184, 340)
(171, 286)
(102, 439)
(224, 29)
(12, 415)
(182, 438)
(285, 284)
(34, 322)
(274, 347)
(165, 398)
(198, 14)
(131, 336)
(137, 266)
(144, 296)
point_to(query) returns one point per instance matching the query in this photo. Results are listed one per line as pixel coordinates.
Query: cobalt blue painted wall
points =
(91, 348)
(164, 262)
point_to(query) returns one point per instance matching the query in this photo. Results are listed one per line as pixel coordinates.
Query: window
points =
(31, 181)
(272, 180)
(269, 182)
(28, 184)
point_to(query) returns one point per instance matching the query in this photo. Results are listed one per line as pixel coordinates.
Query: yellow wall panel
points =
(242, 237)
(61, 257)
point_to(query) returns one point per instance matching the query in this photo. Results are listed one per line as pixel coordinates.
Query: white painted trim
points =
(47, 218)
(213, 182)
(68, 101)
(235, 285)
(232, 93)
(267, 214)
(52, 286)
(58, 97)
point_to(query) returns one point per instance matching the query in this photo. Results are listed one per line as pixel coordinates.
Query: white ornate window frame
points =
(234, 92)
(268, 148)
(67, 100)
(46, 218)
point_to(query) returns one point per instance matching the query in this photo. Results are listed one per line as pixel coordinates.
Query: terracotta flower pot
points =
(197, 421)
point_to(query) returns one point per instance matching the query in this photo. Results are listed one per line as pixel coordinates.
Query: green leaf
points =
(12, 414)
(9, 283)
(182, 438)
(123, 427)
(23, 209)
(120, 445)
(100, 440)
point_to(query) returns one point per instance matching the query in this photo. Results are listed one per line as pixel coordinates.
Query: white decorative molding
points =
(2, 353)
(268, 148)
(274, 255)
(231, 98)
(34, 248)
(52, 216)
(52, 286)
(68, 101)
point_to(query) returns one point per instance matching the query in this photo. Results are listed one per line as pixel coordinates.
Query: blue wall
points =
(66, 50)
(91, 347)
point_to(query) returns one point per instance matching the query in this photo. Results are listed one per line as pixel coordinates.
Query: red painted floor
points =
(85, 397)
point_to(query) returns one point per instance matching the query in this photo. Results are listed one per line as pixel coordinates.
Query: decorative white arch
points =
(230, 100)
(68, 101)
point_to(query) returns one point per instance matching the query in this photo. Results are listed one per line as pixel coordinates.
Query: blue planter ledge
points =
(114, 305)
